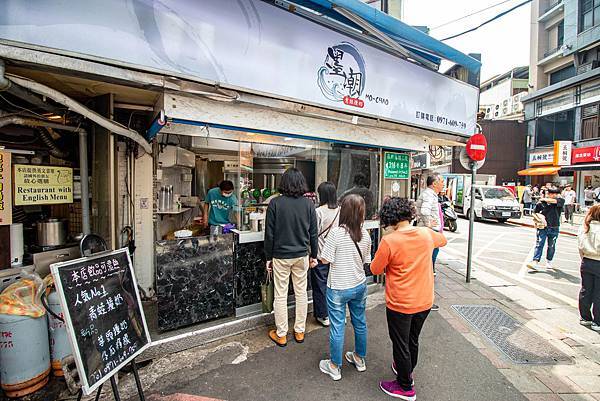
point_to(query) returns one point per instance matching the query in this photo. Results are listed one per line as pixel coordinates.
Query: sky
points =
(503, 44)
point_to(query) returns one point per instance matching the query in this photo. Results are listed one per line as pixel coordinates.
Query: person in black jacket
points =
(551, 208)
(291, 246)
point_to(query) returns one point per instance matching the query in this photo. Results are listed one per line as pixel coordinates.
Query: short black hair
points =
(432, 178)
(395, 210)
(292, 183)
(360, 180)
(554, 191)
(226, 185)
(327, 194)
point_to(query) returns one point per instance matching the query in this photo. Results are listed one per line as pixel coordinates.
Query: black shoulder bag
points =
(366, 266)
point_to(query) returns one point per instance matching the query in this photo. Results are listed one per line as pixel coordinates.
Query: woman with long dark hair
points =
(347, 249)
(290, 238)
(588, 241)
(327, 218)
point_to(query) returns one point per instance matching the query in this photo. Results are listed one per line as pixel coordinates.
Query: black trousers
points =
(404, 332)
(318, 277)
(589, 296)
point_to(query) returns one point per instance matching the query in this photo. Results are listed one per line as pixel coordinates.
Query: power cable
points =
(488, 21)
(470, 15)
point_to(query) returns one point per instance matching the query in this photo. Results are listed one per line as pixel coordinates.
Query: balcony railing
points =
(551, 6)
(550, 52)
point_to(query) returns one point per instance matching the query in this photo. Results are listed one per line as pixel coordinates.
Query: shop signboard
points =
(589, 154)
(103, 314)
(544, 157)
(421, 161)
(250, 45)
(562, 153)
(396, 166)
(42, 185)
(5, 189)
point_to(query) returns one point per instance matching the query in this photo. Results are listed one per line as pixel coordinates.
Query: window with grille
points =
(590, 122)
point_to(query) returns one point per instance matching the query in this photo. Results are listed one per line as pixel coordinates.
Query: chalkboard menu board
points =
(103, 313)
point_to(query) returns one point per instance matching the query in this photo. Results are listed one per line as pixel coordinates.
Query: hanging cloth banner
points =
(5, 189)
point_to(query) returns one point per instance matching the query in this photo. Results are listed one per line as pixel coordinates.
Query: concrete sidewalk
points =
(456, 362)
(450, 368)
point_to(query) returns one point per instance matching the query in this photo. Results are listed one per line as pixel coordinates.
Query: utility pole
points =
(471, 221)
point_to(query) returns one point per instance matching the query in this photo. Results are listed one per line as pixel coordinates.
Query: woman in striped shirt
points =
(347, 249)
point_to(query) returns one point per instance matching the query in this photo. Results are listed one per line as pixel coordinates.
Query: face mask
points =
(228, 195)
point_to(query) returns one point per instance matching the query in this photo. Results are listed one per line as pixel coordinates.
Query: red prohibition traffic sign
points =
(477, 147)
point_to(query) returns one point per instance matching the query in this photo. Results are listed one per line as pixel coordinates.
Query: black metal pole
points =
(471, 222)
(99, 392)
(80, 394)
(138, 382)
(115, 389)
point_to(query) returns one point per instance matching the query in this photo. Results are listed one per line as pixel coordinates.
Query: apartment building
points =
(500, 96)
(562, 109)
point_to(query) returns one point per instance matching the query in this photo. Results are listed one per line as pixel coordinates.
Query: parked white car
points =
(493, 202)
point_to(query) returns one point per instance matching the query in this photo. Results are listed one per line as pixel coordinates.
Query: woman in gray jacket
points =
(588, 241)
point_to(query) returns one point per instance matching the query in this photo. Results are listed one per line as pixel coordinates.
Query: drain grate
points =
(518, 343)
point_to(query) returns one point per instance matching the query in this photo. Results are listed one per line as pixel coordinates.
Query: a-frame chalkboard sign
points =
(103, 314)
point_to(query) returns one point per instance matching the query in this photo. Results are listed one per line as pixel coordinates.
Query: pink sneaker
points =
(393, 389)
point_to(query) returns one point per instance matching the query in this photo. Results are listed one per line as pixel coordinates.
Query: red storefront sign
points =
(589, 154)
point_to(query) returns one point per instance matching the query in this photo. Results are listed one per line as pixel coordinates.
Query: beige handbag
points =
(539, 221)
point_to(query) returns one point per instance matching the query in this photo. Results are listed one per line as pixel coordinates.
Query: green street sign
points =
(396, 166)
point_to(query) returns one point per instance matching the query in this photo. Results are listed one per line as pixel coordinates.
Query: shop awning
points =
(582, 167)
(540, 171)
(359, 15)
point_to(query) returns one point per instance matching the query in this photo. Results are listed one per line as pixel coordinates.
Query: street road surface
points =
(507, 248)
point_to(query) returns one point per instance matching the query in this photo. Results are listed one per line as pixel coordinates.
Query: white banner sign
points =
(251, 45)
(562, 153)
(541, 158)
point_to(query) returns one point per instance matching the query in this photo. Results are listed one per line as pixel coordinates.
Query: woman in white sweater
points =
(588, 241)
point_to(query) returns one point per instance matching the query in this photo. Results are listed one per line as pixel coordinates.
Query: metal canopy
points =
(361, 16)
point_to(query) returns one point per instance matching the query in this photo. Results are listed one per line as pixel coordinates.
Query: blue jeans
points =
(436, 251)
(550, 234)
(356, 299)
(318, 276)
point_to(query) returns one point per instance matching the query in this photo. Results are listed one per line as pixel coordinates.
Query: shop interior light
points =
(288, 139)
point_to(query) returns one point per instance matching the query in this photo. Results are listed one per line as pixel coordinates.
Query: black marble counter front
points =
(250, 272)
(194, 280)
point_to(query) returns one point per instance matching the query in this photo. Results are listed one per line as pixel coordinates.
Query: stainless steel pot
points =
(52, 232)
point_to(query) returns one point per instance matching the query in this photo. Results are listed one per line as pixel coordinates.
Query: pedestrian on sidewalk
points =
(550, 208)
(588, 196)
(527, 200)
(429, 212)
(347, 249)
(290, 237)
(588, 241)
(569, 195)
(404, 257)
(327, 218)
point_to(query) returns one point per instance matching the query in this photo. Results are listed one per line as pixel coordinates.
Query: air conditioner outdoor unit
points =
(505, 111)
(517, 107)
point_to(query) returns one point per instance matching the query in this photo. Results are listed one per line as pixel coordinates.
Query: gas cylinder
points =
(59, 340)
(24, 354)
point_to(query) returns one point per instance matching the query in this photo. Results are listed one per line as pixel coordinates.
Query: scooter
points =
(450, 216)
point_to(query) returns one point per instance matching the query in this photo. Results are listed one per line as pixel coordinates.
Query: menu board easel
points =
(104, 316)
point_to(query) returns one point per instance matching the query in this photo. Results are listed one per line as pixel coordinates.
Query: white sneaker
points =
(595, 327)
(358, 362)
(586, 323)
(534, 265)
(324, 321)
(334, 373)
(549, 265)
